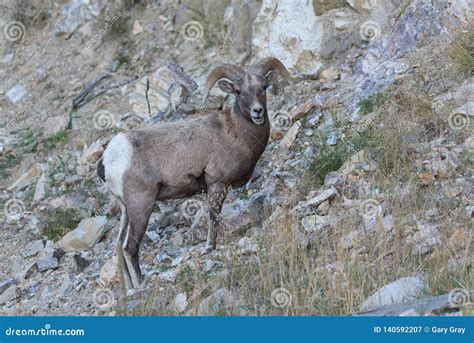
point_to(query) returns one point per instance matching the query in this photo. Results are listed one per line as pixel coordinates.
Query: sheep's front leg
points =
(216, 194)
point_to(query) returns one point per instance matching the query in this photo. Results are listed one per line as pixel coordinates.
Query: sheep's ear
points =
(271, 78)
(226, 86)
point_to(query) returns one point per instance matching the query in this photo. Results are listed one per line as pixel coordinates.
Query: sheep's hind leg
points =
(216, 194)
(122, 266)
(139, 212)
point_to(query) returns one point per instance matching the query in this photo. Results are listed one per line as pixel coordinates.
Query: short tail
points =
(101, 170)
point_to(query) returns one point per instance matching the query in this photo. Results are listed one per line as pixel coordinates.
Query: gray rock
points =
(109, 271)
(242, 214)
(42, 187)
(426, 238)
(75, 14)
(247, 246)
(88, 232)
(33, 248)
(46, 263)
(73, 180)
(427, 306)
(91, 153)
(180, 302)
(401, 290)
(155, 95)
(314, 223)
(163, 258)
(347, 241)
(332, 139)
(168, 275)
(27, 271)
(221, 301)
(9, 294)
(388, 223)
(81, 263)
(16, 93)
(26, 179)
(4, 285)
(325, 195)
(56, 124)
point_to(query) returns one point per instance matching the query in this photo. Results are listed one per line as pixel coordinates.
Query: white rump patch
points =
(117, 159)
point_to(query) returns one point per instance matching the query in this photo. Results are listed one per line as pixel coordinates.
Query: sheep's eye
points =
(266, 87)
(237, 91)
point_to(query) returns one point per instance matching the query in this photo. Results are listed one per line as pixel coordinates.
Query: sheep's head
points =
(248, 87)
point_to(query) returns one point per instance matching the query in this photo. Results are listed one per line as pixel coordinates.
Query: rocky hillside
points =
(362, 203)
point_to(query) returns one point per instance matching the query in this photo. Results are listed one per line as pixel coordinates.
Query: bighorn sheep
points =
(179, 159)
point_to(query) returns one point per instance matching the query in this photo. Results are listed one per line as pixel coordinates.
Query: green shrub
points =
(61, 221)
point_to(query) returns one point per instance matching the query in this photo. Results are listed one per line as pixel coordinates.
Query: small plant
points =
(54, 140)
(27, 142)
(331, 158)
(88, 184)
(372, 103)
(6, 162)
(122, 58)
(461, 50)
(60, 221)
(328, 159)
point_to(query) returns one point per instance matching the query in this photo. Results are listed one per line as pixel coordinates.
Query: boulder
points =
(46, 263)
(242, 214)
(42, 187)
(16, 93)
(56, 124)
(325, 195)
(180, 302)
(401, 290)
(109, 271)
(426, 238)
(26, 179)
(4, 285)
(91, 153)
(88, 232)
(314, 223)
(9, 294)
(221, 301)
(290, 135)
(33, 248)
(74, 14)
(161, 92)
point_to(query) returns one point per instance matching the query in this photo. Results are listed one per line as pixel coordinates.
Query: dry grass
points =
(325, 278)
(461, 49)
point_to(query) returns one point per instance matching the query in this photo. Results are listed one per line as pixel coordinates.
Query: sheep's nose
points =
(257, 110)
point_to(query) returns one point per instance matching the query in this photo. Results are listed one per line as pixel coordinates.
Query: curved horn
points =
(262, 67)
(228, 71)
